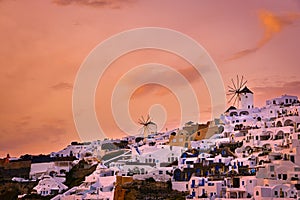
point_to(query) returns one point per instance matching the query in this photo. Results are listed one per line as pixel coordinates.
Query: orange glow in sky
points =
(43, 44)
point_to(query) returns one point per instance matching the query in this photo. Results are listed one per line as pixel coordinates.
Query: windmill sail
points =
(235, 90)
(148, 127)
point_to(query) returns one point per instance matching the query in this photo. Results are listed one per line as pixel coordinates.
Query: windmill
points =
(148, 127)
(235, 90)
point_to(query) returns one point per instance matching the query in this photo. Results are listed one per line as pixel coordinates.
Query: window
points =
(275, 193)
(279, 176)
(246, 97)
(257, 193)
(243, 182)
(160, 172)
(271, 111)
(250, 181)
(284, 176)
(272, 168)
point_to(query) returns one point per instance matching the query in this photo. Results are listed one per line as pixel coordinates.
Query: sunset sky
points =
(43, 44)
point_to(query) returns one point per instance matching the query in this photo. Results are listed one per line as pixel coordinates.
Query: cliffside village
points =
(248, 153)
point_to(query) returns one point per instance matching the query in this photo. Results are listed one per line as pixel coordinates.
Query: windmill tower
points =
(148, 127)
(246, 98)
(240, 94)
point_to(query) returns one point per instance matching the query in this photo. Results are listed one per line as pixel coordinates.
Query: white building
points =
(49, 168)
(98, 185)
(201, 187)
(49, 186)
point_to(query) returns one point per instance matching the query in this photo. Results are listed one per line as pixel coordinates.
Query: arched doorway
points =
(288, 122)
(279, 124)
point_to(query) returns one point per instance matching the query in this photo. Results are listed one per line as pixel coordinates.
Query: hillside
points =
(150, 189)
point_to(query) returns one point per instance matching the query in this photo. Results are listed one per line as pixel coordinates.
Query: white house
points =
(200, 187)
(49, 186)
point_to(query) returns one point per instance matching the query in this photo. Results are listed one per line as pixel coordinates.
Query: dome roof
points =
(230, 108)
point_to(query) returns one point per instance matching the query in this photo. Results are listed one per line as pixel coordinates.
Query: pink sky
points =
(43, 44)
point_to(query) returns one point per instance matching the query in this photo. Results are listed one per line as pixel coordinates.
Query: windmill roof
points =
(246, 90)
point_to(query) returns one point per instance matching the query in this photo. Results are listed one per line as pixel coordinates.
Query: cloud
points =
(154, 89)
(272, 25)
(294, 85)
(92, 3)
(23, 136)
(62, 86)
(291, 88)
(151, 90)
(190, 73)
